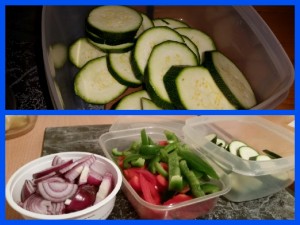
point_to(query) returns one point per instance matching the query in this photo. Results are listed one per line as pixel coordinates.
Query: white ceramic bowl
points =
(100, 210)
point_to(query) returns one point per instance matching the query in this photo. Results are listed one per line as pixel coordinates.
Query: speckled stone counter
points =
(85, 138)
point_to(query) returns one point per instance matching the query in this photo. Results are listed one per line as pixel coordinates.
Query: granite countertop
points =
(85, 138)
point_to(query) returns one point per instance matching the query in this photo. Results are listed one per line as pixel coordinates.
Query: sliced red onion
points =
(105, 187)
(57, 160)
(84, 197)
(56, 191)
(94, 178)
(55, 179)
(58, 208)
(35, 203)
(43, 178)
(52, 169)
(75, 163)
(84, 175)
(98, 167)
(27, 189)
(75, 172)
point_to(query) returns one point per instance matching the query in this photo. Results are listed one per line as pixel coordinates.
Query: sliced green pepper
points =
(171, 137)
(116, 152)
(129, 159)
(139, 162)
(198, 163)
(151, 165)
(175, 178)
(144, 137)
(149, 149)
(209, 188)
(160, 169)
(193, 181)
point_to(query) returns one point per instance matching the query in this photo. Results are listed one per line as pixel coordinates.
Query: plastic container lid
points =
(252, 130)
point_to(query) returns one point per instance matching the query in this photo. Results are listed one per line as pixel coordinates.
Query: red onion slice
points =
(56, 191)
(94, 178)
(52, 169)
(27, 189)
(84, 175)
(105, 187)
(57, 160)
(37, 204)
(58, 208)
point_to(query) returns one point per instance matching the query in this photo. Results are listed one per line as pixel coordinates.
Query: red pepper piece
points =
(177, 199)
(149, 193)
(162, 183)
(163, 143)
(135, 183)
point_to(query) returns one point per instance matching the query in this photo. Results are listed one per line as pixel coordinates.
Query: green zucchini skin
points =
(170, 84)
(208, 63)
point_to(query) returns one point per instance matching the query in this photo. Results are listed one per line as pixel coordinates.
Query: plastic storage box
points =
(249, 179)
(190, 209)
(239, 32)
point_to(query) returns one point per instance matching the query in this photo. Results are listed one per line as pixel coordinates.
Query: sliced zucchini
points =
(145, 43)
(212, 138)
(194, 88)
(271, 154)
(58, 54)
(260, 158)
(246, 152)
(118, 23)
(234, 146)
(81, 51)
(169, 22)
(94, 83)
(132, 101)
(113, 48)
(192, 46)
(119, 66)
(147, 104)
(221, 143)
(201, 40)
(162, 57)
(146, 24)
(230, 80)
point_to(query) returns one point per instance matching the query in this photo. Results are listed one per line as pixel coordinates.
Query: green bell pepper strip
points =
(193, 181)
(149, 149)
(151, 165)
(129, 159)
(116, 152)
(175, 178)
(160, 169)
(144, 137)
(197, 163)
(171, 137)
(209, 188)
(140, 162)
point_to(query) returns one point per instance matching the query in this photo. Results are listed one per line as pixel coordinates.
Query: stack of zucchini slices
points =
(242, 150)
(172, 65)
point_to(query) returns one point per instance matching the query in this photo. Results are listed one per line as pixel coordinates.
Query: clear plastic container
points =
(239, 32)
(190, 209)
(249, 179)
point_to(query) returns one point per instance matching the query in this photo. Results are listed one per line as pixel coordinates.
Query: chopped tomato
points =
(177, 199)
(162, 183)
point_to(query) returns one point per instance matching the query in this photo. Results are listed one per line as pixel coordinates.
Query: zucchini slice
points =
(169, 22)
(81, 51)
(201, 40)
(234, 146)
(271, 154)
(246, 152)
(145, 43)
(162, 58)
(147, 104)
(260, 158)
(212, 138)
(132, 101)
(118, 23)
(194, 88)
(146, 24)
(230, 80)
(192, 46)
(119, 66)
(94, 83)
(113, 48)
(221, 143)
